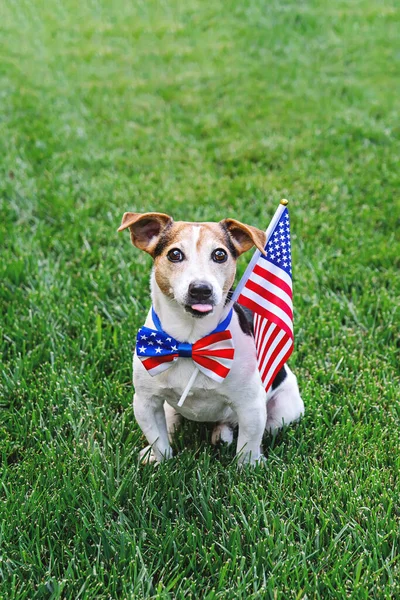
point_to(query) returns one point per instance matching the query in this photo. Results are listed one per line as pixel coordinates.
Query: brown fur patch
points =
(179, 235)
(145, 229)
(163, 282)
(164, 270)
(208, 230)
(169, 237)
(244, 236)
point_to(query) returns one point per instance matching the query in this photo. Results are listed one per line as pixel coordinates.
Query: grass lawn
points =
(203, 110)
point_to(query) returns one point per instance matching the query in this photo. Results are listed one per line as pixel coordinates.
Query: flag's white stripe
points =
(270, 363)
(274, 289)
(262, 324)
(255, 327)
(277, 360)
(272, 308)
(277, 271)
(261, 347)
(271, 349)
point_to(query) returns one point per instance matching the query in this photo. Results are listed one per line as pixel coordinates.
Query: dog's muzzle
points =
(200, 300)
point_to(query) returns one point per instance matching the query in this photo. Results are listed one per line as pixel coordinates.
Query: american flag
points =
(268, 293)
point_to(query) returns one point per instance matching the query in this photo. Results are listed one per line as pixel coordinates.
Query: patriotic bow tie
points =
(212, 354)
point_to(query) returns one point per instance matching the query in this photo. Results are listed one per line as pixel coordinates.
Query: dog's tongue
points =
(202, 307)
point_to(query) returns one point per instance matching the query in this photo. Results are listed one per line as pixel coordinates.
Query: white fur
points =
(222, 432)
(197, 266)
(239, 400)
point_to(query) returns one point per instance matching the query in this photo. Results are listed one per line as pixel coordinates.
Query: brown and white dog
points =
(194, 270)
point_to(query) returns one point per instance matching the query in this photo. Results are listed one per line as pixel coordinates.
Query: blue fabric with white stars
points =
(158, 343)
(279, 248)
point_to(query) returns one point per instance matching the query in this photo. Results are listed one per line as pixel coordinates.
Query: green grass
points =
(203, 110)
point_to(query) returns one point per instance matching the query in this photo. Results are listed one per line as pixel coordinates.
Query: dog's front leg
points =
(150, 416)
(252, 416)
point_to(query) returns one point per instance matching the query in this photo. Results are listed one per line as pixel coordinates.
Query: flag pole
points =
(282, 205)
(188, 386)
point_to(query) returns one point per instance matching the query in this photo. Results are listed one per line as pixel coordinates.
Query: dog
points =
(193, 272)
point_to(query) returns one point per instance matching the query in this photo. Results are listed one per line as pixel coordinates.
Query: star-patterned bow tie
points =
(212, 354)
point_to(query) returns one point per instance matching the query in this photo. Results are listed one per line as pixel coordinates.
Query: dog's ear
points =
(145, 228)
(244, 236)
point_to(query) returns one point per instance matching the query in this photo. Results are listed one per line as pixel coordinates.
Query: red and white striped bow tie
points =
(212, 354)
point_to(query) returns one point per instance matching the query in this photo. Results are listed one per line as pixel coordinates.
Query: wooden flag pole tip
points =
(284, 202)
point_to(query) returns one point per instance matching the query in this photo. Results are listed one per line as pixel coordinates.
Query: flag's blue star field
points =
(278, 247)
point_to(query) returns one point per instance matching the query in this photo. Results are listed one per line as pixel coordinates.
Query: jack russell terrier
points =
(193, 273)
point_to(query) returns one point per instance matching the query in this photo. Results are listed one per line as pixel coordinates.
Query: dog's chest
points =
(207, 399)
(200, 405)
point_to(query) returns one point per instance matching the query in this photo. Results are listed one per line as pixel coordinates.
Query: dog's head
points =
(194, 263)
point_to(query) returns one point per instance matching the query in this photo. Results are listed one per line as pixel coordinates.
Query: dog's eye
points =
(219, 255)
(175, 255)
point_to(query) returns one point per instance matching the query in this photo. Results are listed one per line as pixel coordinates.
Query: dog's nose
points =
(200, 290)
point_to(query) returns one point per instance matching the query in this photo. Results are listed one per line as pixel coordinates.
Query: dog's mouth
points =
(199, 310)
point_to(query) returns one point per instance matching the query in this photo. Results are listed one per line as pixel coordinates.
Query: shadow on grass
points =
(195, 438)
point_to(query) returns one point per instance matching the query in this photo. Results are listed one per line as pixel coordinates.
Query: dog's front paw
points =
(222, 433)
(250, 460)
(147, 456)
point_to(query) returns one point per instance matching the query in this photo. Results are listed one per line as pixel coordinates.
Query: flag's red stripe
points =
(271, 339)
(279, 366)
(261, 329)
(212, 339)
(212, 365)
(267, 345)
(267, 295)
(267, 373)
(265, 313)
(224, 353)
(155, 361)
(257, 328)
(259, 270)
(275, 353)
